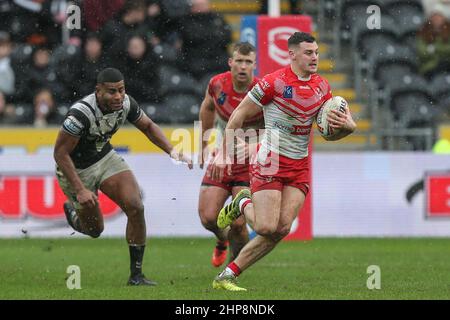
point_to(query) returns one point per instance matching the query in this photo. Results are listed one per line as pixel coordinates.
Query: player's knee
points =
(281, 232)
(134, 209)
(265, 230)
(208, 222)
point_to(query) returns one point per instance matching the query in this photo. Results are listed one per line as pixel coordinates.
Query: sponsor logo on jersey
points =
(72, 125)
(287, 93)
(221, 98)
(300, 130)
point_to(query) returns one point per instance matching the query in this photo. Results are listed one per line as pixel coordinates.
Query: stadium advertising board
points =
(355, 194)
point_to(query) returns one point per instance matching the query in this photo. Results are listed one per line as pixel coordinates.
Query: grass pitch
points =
(325, 268)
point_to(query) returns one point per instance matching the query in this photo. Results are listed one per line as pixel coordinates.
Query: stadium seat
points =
(372, 42)
(440, 85)
(180, 108)
(407, 14)
(396, 62)
(353, 14)
(176, 81)
(411, 103)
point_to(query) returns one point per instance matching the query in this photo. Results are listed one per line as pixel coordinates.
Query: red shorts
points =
(239, 176)
(279, 171)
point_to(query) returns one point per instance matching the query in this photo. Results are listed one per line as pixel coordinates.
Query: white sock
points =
(241, 203)
(228, 272)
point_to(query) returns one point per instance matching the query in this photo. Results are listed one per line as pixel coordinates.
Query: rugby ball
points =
(335, 103)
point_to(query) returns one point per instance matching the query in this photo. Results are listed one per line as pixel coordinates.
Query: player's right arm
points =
(206, 115)
(246, 109)
(65, 144)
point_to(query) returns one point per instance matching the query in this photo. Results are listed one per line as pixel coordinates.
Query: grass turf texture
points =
(325, 268)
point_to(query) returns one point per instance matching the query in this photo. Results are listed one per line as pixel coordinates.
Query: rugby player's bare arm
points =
(207, 115)
(246, 110)
(154, 133)
(65, 144)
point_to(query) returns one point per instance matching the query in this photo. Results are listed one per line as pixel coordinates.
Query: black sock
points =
(136, 257)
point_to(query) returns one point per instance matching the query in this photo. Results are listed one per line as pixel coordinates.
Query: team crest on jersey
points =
(221, 98)
(287, 93)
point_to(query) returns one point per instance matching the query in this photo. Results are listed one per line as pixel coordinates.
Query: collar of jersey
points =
(298, 77)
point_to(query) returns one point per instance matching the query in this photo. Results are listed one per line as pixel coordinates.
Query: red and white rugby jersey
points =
(290, 105)
(226, 99)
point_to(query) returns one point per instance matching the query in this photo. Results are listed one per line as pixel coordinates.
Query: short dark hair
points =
(109, 75)
(299, 37)
(244, 48)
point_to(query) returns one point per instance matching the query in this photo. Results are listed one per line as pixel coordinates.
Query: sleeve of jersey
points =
(328, 95)
(76, 123)
(262, 92)
(135, 111)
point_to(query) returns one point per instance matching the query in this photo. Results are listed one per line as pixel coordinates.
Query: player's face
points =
(305, 56)
(111, 95)
(242, 66)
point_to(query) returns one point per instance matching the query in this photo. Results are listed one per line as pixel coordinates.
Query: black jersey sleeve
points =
(76, 123)
(135, 111)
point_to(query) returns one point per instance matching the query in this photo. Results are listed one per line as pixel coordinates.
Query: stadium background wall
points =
(355, 194)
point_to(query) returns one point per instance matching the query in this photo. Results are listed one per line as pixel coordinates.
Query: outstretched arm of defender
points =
(65, 143)
(207, 114)
(341, 121)
(154, 133)
(246, 109)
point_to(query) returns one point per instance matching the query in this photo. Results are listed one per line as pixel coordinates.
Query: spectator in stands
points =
(44, 109)
(430, 5)
(433, 44)
(141, 67)
(40, 74)
(7, 110)
(205, 36)
(131, 21)
(98, 12)
(6, 72)
(90, 62)
(156, 21)
(38, 22)
(6, 15)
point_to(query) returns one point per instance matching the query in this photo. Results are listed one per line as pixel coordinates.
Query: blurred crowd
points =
(44, 67)
(433, 38)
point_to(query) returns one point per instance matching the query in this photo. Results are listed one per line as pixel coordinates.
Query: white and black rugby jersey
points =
(95, 129)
